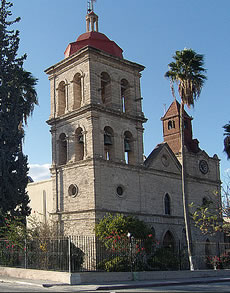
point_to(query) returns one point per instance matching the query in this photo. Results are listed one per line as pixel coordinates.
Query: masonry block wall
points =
(97, 149)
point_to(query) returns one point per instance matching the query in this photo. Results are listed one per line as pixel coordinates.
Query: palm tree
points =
(227, 139)
(28, 95)
(187, 72)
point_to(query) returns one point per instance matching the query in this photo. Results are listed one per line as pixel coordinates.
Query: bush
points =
(53, 254)
(117, 264)
(164, 259)
(112, 228)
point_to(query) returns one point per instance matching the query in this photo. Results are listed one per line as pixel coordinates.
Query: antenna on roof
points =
(90, 6)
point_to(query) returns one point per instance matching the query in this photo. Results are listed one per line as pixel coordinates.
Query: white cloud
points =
(39, 172)
(227, 171)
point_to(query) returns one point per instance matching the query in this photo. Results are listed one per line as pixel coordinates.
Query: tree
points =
(17, 99)
(207, 217)
(121, 225)
(128, 240)
(187, 72)
(211, 218)
(227, 139)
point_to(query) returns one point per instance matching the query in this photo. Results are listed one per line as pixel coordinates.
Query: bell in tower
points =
(127, 145)
(107, 139)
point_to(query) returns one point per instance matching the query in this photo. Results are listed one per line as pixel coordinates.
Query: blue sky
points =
(149, 32)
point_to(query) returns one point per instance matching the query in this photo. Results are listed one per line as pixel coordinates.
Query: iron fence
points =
(81, 253)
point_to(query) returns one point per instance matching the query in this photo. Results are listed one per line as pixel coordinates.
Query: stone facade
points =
(98, 165)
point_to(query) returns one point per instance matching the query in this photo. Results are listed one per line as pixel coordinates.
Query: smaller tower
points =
(91, 22)
(171, 129)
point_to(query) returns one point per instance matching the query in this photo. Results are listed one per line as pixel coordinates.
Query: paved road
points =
(213, 287)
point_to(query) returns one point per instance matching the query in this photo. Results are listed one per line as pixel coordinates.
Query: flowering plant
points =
(215, 261)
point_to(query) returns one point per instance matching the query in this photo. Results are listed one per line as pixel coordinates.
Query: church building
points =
(98, 163)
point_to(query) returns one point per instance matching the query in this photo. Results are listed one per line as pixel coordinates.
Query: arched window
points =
(77, 91)
(171, 124)
(168, 241)
(62, 149)
(105, 88)
(61, 98)
(108, 143)
(153, 233)
(79, 144)
(125, 96)
(128, 148)
(167, 204)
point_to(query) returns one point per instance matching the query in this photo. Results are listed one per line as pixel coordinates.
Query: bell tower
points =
(96, 126)
(171, 129)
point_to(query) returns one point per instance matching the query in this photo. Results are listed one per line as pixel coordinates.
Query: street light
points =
(129, 235)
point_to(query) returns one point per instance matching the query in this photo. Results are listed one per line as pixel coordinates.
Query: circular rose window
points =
(73, 190)
(120, 191)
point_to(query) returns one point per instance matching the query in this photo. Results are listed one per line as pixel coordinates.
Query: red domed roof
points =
(93, 36)
(96, 40)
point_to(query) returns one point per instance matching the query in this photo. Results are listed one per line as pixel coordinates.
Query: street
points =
(212, 287)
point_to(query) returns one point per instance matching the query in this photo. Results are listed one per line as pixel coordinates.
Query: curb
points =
(29, 283)
(20, 282)
(161, 284)
(53, 285)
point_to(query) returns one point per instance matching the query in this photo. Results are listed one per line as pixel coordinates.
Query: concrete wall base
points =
(104, 277)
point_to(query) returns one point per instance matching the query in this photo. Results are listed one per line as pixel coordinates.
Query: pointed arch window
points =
(108, 143)
(79, 144)
(169, 241)
(77, 91)
(167, 204)
(105, 88)
(153, 233)
(61, 98)
(125, 96)
(62, 149)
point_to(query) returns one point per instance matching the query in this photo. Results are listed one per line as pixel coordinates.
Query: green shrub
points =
(164, 259)
(113, 228)
(117, 264)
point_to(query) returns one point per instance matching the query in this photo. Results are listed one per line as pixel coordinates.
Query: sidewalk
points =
(115, 286)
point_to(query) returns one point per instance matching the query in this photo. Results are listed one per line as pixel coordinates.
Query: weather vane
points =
(90, 5)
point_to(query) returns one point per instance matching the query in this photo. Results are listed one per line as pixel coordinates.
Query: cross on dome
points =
(90, 5)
